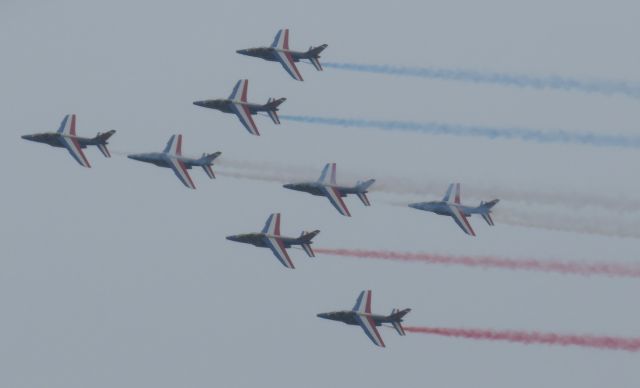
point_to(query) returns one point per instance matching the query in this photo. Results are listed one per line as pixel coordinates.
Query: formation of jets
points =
(326, 186)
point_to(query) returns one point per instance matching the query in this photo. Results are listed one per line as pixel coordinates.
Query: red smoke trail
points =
(601, 342)
(566, 267)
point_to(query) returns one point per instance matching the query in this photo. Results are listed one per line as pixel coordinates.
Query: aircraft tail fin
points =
(314, 55)
(396, 319)
(306, 242)
(272, 108)
(101, 142)
(362, 188)
(207, 162)
(487, 206)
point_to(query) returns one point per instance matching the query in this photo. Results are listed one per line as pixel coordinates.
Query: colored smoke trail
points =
(564, 267)
(607, 87)
(493, 133)
(533, 337)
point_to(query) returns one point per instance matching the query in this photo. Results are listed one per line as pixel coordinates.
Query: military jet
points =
(171, 157)
(66, 137)
(271, 238)
(237, 104)
(326, 187)
(457, 211)
(361, 315)
(279, 51)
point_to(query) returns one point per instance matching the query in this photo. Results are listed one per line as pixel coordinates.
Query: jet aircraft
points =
(271, 238)
(451, 207)
(326, 186)
(279, 51)
(172, 158)
(237, 104)
(66, 137)
(361, 315)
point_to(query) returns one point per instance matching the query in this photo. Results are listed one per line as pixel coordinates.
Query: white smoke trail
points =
(597, 223)
(432, 188)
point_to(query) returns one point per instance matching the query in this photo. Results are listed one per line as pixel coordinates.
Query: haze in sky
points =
(118, 275)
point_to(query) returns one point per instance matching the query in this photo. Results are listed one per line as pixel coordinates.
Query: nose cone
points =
(199, 103)
(414, 205)
(323, 315)
(288, 186)
(232, 238)
(135, 157)
(27, 137)
(243, 51)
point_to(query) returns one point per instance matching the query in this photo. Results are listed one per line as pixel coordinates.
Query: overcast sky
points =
(120, 276)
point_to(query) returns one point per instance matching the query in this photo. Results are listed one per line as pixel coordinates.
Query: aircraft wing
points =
(278, 249)
(243, 113)
(239, 92)
(281, 44)
(286, 60)
(363, 309)
(369, 326)
(180, 170)
(68, 131)
(461, 220)
(336, 200)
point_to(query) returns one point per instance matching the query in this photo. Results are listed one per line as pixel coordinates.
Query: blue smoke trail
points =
(520, 80)
(435, 128)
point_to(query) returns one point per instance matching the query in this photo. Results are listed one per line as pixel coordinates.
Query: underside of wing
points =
(243, 113)
(336, 200)
(368, 325)
(363, 303)
(181, 172)
(281, 41)
(239, 92)
(461, 220)
(286, 60)
(73, 146)
(279, 250)
(272, 226)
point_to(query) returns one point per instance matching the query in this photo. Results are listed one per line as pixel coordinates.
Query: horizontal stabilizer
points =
(316, 63)
(105, 151)
(207, 168)
(487, 217)
(399, 328)
(308, 250)
(363, 197)
(274, 116)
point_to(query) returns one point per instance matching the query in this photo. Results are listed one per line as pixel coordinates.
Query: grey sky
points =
(119, 276)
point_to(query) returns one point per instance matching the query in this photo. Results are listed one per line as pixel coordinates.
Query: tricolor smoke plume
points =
(557, 266)
(492, 133)
(607, 87)
(525, 337)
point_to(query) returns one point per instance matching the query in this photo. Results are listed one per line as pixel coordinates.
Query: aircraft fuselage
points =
(316, 188)
(260, 239)
(226, 105)
(270, 53)
(349, 317)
